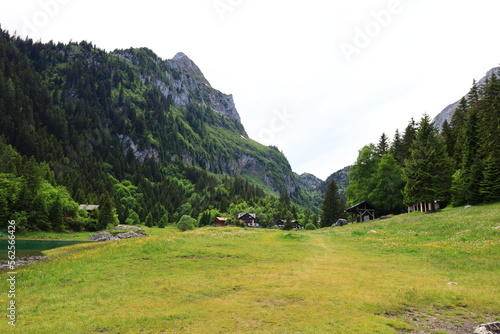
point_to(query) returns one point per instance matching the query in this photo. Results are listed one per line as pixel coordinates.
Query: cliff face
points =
(182, 82)
(182, 79)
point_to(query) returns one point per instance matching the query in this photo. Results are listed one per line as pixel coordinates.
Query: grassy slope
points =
(227, 280)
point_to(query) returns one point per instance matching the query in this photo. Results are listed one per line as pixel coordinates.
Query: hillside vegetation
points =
(147, 135)
(361, 278)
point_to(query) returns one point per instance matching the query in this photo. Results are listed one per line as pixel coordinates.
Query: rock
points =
(372, 231)
(452, 283)
(341, 222)
(103, 236)
(491, 328)
(121, 232)
(467, 206)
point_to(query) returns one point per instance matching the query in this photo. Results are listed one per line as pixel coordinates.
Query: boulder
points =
(491, 328)
(119, 232)
(103, 236)
(341, 222)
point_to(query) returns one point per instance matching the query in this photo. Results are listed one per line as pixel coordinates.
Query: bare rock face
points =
(119, 232)
(491, 328)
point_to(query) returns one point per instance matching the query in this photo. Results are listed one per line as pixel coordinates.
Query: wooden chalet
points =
(282, 222)
(220, 221)
(88, 207)
(250, 219)
(363, 212)
(425, 207)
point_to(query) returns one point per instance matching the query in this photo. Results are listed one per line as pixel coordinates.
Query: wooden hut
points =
(362, 212)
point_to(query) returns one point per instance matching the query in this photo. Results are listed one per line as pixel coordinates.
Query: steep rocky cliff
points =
(181, 81)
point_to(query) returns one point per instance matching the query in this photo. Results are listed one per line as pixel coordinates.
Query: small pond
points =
(33, 247)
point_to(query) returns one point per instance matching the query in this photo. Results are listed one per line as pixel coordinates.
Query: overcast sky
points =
(318, 78)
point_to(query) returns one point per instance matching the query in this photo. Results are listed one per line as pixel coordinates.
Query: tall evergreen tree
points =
(449, 138)
(470, 177)
(397, 149)
(333, 206)
(409, 136)
(428, 172)
(490, 185)
(107, 214)
(56, 216)
(38, 214)
(383, 145)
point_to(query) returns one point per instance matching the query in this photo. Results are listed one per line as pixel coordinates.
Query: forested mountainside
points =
(341, 178)
(150, 135)
(447, 113)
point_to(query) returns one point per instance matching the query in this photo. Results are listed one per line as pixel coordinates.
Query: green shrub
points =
(310, 226)
(186, 223)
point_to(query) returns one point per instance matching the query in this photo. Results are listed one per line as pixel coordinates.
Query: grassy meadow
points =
(233, 280)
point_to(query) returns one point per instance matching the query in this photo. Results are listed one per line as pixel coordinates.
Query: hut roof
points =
(362, 206)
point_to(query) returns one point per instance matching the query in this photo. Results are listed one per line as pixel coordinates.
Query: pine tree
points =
(333, 206)
(149, 220)
(457, 122)
(408, 139)
(38, 215)
(490, 185)
(428, 173)
(163, 221)
(107, 214)
(470, 164)
(397, 150)
(449, 138)
(56, 216)
(383, 145)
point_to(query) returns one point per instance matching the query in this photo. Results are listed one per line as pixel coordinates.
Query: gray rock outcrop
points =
(491, 328)
(119, 232)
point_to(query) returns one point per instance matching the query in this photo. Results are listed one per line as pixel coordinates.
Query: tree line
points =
(458, 165)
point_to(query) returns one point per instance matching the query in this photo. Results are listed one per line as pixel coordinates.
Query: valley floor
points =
(390, 276)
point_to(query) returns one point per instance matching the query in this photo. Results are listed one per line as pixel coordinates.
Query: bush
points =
(310, 226)
(75, 224)
(186, 223)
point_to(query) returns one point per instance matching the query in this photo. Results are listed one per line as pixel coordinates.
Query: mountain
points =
(341, 178)
(448, 112)
(153, 134)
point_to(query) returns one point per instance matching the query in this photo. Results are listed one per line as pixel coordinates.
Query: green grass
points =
(233, 280)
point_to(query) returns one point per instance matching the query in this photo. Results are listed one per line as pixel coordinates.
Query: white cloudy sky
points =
(318, 78)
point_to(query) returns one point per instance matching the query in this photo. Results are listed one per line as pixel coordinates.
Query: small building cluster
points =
(252, 220)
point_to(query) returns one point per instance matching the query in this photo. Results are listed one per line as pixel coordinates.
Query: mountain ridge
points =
(447, 113)
(127, 119)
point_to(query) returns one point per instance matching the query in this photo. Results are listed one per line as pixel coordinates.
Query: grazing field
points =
(386, 276)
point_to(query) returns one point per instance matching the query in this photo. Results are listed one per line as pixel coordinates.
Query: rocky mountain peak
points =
(183, 63)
